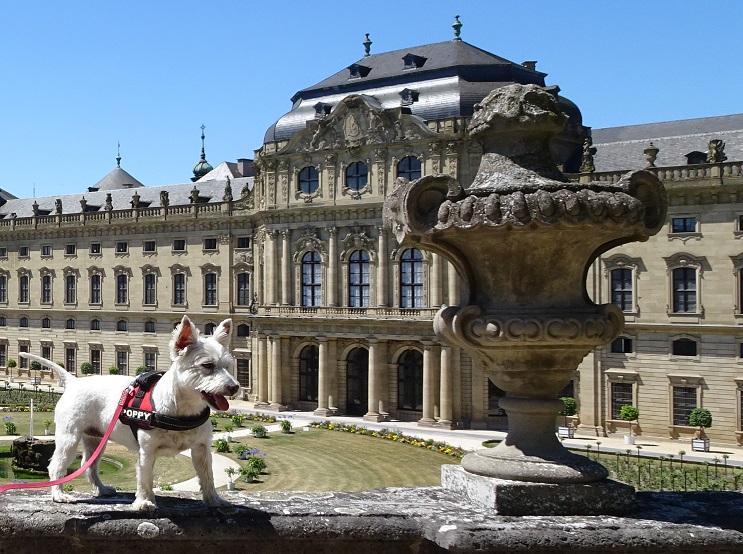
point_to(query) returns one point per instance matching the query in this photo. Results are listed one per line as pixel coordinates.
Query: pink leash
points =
(122, 402)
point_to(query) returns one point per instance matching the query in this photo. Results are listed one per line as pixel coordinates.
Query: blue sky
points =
(81, 76)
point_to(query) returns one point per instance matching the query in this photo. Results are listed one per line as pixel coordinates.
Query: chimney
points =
(532, 65)
(245, 167)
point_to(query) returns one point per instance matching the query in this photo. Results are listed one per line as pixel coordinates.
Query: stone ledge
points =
(420, 520)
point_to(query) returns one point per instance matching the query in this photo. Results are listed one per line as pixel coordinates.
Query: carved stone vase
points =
(522, 239)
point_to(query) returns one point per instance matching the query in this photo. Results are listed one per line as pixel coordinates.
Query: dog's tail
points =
(61, 372)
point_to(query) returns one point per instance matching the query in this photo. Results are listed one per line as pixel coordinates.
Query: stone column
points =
(270, 253)
(373, 388)
(435, 281)
(332, 277)
(445, 388)
(382, 268)
(322, 378)
(275, 342)
(452, 285)
(428, 400)
(262, 371)
(286, 280)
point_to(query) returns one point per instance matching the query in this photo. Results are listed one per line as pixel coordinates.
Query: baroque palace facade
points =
(331, 313)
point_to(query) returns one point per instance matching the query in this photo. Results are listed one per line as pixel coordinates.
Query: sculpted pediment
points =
(358, 120)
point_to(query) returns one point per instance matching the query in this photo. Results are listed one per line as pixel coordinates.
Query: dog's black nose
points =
(232, 389)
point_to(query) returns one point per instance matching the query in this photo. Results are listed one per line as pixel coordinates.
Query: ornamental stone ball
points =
(522, 238)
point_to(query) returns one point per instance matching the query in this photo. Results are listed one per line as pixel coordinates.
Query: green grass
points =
(319, 460)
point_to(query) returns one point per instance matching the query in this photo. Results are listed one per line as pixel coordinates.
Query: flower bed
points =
(393, 435)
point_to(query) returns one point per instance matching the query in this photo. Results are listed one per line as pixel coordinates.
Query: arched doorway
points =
(357, 382)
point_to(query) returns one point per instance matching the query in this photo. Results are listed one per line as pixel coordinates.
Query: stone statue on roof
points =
(716, 151)
(164, 198)
(58, 205)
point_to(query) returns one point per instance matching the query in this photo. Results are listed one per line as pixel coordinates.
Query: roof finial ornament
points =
(118, 154)
(203, 167)
(367, 46)
(457, 25)
(203, 154)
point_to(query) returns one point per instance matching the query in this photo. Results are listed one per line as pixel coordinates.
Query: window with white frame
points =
(621, 273)
(685, 273)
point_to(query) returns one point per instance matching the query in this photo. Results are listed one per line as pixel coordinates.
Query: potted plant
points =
(47, 426)
(228, 428)
(702, 418)
(629, 413)
(35, 366)
(259, 431)
(11, 364)
(114, 370)
(567, 431)
(249, 473)
(86, 368)
(286, 426)
(231, 472)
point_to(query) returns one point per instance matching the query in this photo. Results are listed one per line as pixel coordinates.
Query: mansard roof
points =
(621, 148)
(448, 77)
(115, 180)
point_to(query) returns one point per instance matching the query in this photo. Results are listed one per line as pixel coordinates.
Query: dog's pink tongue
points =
(222, 403)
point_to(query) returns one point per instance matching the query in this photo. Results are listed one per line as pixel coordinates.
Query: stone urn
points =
(522, 238)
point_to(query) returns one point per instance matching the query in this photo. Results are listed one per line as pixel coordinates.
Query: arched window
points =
(243, 330)
(357, 382)
(685, 290)
(95, 324)
(70, 323)
(311, 279)
(46, 323)
(121, 325)
(149, 326)
(358, 279)
(209, 328)
(309, 180)
(308, 370)
(23, 322)
(410, 381)
(411, 279)
(409, 168)
(357, 174)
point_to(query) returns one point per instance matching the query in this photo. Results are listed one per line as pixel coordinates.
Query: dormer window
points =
(696, 157)
(408, 97)
(357, 71)
(411, 61)
(321, 110)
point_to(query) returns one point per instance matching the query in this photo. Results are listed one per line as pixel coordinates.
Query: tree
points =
(86, 368)
(629, 413)
(702, 418)
(12, 363)
(571, 408)
(114, 370)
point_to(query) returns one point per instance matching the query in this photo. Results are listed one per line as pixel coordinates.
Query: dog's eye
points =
(208, 365)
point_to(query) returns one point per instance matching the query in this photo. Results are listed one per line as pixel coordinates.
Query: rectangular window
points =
(179, 289)
(684, 225)
(210, 244)
(150, 361)
(121, 362)
(23, 251)
(243, 242)
(95, 289)
(46, 352)
(210, 289)
(621, 289)
(3, 252)
(23, 289)
(122, 247)
(70, 360)
(23, 362)
(70, 285)
(122, 289)
(95, 248)
(3, 355)
(684, 347)
(243, 289)
(149, 289)
(46, 289)
(3, 288)
(684, 401)
(685, 290)
(179, 245)
(46, 250)
(70, 250)
(621, 395)
(149, 246)
(243, 372)
(95, 360)
(621, 345)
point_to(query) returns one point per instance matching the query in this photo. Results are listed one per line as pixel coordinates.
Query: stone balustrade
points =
(673, 173)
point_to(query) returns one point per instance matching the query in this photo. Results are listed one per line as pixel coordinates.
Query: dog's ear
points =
(184, 335)
(223, 334)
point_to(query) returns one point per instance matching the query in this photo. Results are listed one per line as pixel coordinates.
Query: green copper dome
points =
(203, 167)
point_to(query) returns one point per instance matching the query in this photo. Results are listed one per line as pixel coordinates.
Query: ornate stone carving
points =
(716, 151)
(521, 237)
(587, 165)
(227, 197)
(357, 239)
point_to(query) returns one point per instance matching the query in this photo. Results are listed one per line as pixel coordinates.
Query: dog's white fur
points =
(200, 364)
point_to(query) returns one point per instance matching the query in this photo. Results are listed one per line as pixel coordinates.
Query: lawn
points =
(316, 460)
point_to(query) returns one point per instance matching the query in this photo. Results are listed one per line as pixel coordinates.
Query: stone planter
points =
(566, 432)
(629, 439)
(231, 486)
(700, 445)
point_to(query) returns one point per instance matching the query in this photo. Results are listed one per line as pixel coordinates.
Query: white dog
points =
(199, 376)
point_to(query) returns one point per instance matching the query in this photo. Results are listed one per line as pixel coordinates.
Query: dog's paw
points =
(217, 502)
(105, 490)
(144, 506)
(63, 498)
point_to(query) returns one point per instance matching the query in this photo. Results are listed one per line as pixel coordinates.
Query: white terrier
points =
(199, 376)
